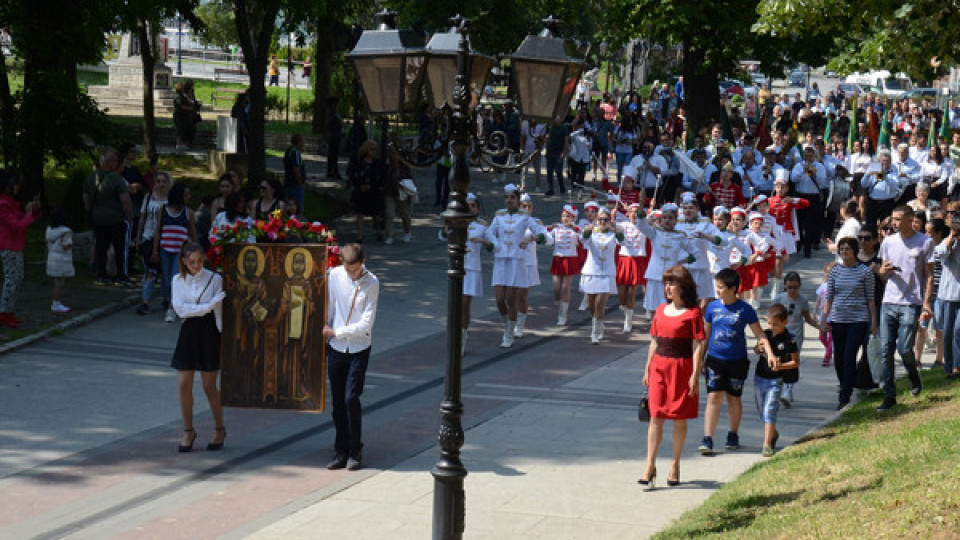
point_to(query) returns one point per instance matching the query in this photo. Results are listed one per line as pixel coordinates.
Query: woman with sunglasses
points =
(869, 255)
(270, 200)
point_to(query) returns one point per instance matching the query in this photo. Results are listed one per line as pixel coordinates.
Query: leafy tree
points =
(219, 27)
(870, 34)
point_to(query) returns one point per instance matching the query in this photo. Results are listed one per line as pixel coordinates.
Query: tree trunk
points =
(6, 116)
(148, 61)
(323, 65)
(701, 90)
(255, 27)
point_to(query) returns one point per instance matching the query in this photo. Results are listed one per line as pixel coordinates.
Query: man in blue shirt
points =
(728, 366)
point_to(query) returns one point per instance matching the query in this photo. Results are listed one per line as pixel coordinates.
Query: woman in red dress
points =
(673, 369)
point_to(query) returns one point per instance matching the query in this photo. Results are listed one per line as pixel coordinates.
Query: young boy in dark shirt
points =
(773, 372)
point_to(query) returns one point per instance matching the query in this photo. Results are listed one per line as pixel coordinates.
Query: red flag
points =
(873, 126)
(762, 132)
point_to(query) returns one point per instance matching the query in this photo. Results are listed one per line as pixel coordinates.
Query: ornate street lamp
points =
(544, 74)
(542, 60)
(442, 67)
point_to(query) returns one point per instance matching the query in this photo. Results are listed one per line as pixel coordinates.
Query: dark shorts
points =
(727, 375)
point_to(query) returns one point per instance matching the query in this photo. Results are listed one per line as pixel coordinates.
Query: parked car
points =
(918, 94)
(731, 87)
(797, 78)
(759, 79)
(850, 89)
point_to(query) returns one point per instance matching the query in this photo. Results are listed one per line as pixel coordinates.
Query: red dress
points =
(672, 364)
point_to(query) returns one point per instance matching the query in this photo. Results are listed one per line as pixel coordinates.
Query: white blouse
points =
(192, 297)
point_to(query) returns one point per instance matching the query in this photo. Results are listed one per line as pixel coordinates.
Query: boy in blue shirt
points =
(728, 366)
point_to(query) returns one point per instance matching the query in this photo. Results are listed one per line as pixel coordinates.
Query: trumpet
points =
(809, 169)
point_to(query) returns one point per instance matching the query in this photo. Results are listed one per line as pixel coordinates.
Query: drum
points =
(839, 192)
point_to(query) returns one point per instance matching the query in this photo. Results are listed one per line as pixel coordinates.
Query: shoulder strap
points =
(205, 287)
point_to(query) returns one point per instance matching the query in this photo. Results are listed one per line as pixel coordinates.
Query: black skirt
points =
(198, 346)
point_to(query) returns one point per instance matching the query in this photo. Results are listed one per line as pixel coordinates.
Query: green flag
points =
(932, 135)
(828, 130)
(884, 139)
(756, 113)
(945, 126)
(852, 135)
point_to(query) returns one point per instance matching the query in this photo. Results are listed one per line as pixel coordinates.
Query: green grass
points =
(867, 475)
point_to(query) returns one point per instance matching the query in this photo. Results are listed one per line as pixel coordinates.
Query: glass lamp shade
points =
(390, 66)
(442, 67)
(544, 77)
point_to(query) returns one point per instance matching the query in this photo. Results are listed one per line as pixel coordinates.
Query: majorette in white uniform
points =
(668, 249)
(700, 268)
(530, 252)
(600, 269)
(721, 255)
(565, 240)
(632, 263)
(473, 276)
(583, 224)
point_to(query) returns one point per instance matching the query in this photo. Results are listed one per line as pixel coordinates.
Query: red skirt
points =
(565, 266)
(761, 273)
(669, 391)
(630, 271)
(746, 277)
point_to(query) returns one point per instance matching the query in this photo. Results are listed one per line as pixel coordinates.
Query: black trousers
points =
(347, 372)
(668, 188)
(111, 235)
(811, 221)
(878, 210)
(333, 157)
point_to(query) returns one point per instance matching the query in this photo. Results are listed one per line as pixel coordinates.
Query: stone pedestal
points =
(124, 94)
(220, 162)
(226, 134)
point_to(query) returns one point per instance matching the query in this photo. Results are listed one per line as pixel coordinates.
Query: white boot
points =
(774, 289)
(463, 343)
(600, 329)
(594, 336)
(518, 326)
(562, 313)
(583, 304)
(627, 321)
(507, 335)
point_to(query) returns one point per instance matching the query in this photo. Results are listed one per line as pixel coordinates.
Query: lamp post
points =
(543, 80)
(179, 44)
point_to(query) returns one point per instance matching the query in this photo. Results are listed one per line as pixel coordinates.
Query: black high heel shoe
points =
(674, 481)
(221, 435)
(188, 447)
(649, 483)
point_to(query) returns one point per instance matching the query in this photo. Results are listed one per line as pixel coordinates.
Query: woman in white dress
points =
(600, 270)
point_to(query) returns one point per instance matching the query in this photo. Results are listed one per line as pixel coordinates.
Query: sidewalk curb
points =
(79, 320)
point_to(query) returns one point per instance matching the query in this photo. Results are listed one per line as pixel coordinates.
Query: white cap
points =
(719, 210)
(525, 198)
(603, 210)
(759, 199)
(737, 210)
(656, 213)
(669, 207)
(755, 216)
(570, 209)
(688, 197)
(634, 205)
(903, 146)
(591, 204)
(471, 196)
(510, 188)
(781, 175)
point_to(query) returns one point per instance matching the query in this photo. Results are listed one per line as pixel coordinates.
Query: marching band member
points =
(564, 237)
(600, 271)
(530, 253)
(752, 175)
(763, 247)
(473, 276)
(631, 265)
(694, 184)
(769, 171)
(649, 166)
(627, 193)
(670, 247)
(809, 177)
(589, 217)
(508, 234)
(722, 255)
(615, 208)
(701, 233)
(784, 210)
(882, 185)
(772, 229)
(747, 148)
(908, 172)
(724, 192)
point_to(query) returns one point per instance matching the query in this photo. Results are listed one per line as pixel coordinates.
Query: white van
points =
(890, 85)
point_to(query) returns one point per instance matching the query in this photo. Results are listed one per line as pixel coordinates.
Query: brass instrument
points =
(809, 169)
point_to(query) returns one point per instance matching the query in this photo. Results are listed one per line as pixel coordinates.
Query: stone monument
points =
(124, 93)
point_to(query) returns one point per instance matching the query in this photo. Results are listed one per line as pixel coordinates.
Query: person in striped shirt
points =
(175, 225)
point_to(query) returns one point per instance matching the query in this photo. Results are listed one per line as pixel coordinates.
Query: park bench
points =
(225, 94)
(229, 73)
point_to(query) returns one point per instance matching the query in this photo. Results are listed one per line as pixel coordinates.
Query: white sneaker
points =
(407, 237)
(388, 241)
(171, 315)
(57, 307)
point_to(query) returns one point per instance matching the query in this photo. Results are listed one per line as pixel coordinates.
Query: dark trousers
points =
(848, 338)
(554, 167)
(578, 173)
(811, 221)
(347, 372)
(878, 210)
(111, 235)
(333, 157)
(442, 186)
(668, 188)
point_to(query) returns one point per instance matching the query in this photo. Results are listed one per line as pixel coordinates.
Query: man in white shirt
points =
(908, 171)
(768, 173)
(752, 177)
(529, 133)
(809, 177)
(352, 295)
(649, 167)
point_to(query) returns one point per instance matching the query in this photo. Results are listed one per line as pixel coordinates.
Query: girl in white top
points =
(59, 257)
(600, 269)
(669, 247)
(532, 266)
(565, 239)
(587, 221)
(631, 265)
(936, 171)
(472, 264)
(721, 256)
(197, 297)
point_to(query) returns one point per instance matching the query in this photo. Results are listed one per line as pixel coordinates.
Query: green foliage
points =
(219, 28)
(870, 34)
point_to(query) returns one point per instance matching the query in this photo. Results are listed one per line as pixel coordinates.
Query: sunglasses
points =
(602, 220)
(864, 238)
(952, 212)
(888, 229)
(263, 188)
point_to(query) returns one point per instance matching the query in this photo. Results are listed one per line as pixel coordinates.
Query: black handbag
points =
(643, 411)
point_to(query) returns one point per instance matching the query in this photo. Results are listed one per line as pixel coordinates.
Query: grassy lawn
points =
(867, 475)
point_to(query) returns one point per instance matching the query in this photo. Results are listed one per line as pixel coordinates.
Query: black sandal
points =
(188, 447)
(221, 434)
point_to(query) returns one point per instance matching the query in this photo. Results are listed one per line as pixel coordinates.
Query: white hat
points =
(591, 204)
(688, 197)
(570, 209)
(903, 146)
(720, 210)
(669, 207)
(759, 199)
(634, 205)
(612, 198)
(781, 175)
(603, 210)
(656, 213)
(510, 188)
(471, 196)
(525, 198)
(755, 216)
(737, 210)
(630, 171)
